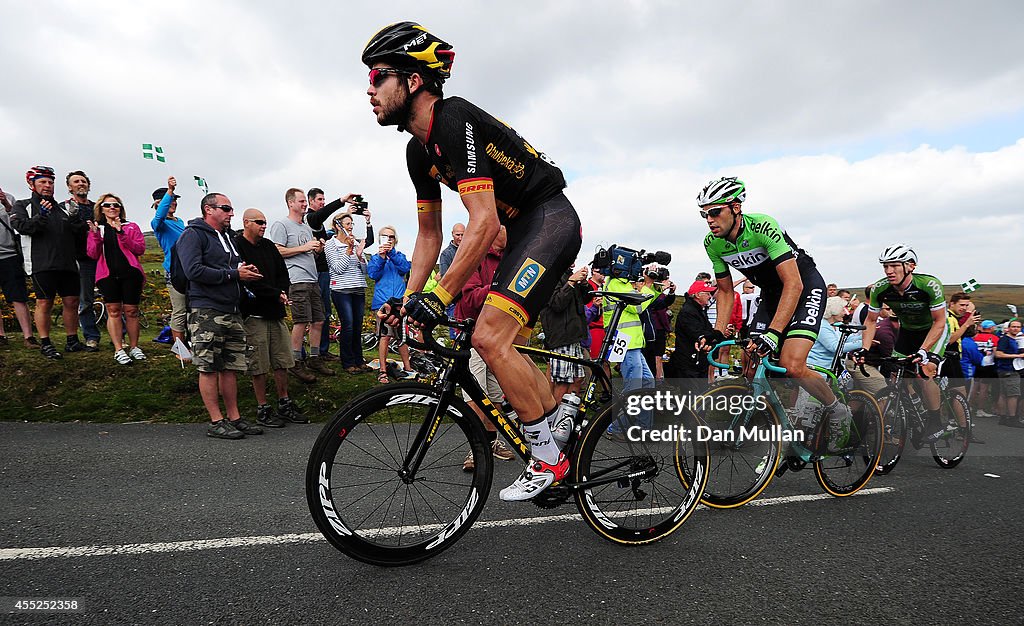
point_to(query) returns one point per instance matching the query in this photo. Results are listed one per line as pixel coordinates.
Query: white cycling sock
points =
(542, 446)
(552, 415)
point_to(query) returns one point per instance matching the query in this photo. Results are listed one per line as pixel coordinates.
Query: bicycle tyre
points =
(370, 341)
(951, 449)
(738, 472)
(622, 511)
(845, 474)
(894, 434)
(99, 311)
(367, 510)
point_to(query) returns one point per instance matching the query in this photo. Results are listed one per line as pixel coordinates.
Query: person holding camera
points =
(348, 290)
(565, 327)
(388, 269)
(656, 277)
(635, 372)
(317, 215)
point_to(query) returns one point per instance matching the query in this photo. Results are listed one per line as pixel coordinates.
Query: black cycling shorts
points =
(125, 289)
(52, 283)
(809, 310)
(542, 244)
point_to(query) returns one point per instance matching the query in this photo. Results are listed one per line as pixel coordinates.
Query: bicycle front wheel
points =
(361, 496)
(847, 470)
(744, 448)
(951, 449)
(642, 485)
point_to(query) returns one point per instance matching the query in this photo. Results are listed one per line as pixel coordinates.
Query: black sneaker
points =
(289, 412)
(246, 428)
(267, 416)
(31, 343)
(74, 345)
(50, 351)
(223, 429)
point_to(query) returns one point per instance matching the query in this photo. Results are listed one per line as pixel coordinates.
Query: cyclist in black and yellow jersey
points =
(918, 301)
(501, 179)
(792, 291)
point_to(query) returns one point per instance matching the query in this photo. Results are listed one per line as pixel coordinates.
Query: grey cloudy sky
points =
(855, 124)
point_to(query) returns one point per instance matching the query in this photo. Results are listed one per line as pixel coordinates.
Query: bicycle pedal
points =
(555, 495)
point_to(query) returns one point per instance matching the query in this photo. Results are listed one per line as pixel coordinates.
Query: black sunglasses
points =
(379, 75)
(227, 208)
(107, 205)
(260, 222)
(387, 237)
(715, 212)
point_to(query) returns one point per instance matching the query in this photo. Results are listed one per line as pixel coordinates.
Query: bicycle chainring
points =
(552, 497)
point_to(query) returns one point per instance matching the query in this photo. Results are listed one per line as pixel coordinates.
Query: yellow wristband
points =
(409, 292)
(443, 295)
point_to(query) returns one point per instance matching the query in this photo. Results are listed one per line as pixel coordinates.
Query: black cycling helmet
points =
(407, 45)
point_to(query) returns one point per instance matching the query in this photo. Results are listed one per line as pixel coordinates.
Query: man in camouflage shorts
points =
(216, 276)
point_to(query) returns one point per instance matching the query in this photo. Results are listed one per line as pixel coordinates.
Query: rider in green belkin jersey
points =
(792, 291)
(918, 302)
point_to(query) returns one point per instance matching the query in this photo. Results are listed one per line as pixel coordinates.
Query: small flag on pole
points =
(969, 286)
(182, 351)
(202, 183)
(149, 151)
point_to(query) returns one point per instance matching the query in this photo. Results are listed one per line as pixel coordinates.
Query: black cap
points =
(161, 192)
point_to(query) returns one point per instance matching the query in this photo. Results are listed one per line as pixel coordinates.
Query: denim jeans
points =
(86, 315)
(325, 293)
(350, 307)
(635, 375)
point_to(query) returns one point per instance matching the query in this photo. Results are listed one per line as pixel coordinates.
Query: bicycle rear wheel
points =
(640, 491)
(744, 449)
(848, 470)
(355, 485)
(894, 433)
(951, 449)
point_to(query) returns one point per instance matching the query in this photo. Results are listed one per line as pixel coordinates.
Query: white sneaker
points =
(537, 477)
(137, 354)
(122, 357)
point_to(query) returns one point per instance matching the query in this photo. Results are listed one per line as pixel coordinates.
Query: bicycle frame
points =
(456, 372)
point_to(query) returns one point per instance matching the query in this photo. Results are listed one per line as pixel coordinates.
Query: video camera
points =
(621, 262)
(657, 273)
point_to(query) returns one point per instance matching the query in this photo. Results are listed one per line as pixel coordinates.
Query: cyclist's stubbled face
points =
(723, 224)
(389, 99)
(895, 272)
(43, 186)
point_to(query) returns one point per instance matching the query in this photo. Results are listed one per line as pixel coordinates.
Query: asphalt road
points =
(149, 523)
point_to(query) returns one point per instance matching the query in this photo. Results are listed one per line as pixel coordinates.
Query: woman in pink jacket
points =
(117, 244)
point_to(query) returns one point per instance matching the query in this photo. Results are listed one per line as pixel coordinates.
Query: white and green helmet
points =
(722, 191)
(898, 253)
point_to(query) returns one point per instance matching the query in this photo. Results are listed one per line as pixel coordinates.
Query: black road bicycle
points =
(385, 484)
(904, 415)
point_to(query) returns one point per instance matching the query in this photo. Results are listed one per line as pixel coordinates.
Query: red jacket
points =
(132, 243)
(475, 290)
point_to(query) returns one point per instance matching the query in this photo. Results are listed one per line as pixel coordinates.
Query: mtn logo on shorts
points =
(527, 276)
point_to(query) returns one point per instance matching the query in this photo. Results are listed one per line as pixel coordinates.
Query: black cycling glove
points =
(425, 308)
(767, 343)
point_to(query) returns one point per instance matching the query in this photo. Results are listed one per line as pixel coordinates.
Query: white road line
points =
(17, 554)
(993, 476)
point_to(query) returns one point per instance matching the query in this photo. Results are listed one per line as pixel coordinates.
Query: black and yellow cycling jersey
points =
(470, 151)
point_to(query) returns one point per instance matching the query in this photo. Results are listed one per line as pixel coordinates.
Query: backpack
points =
(178, 278)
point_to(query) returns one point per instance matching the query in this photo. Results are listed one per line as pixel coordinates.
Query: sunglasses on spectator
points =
(259, 222)
(392, 237)
(715, 212)
(379, 75)
(227, 208)
(108, 205)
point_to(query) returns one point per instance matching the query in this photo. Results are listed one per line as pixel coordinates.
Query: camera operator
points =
(656, 277)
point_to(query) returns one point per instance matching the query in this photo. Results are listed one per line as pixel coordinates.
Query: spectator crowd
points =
(233, 286)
